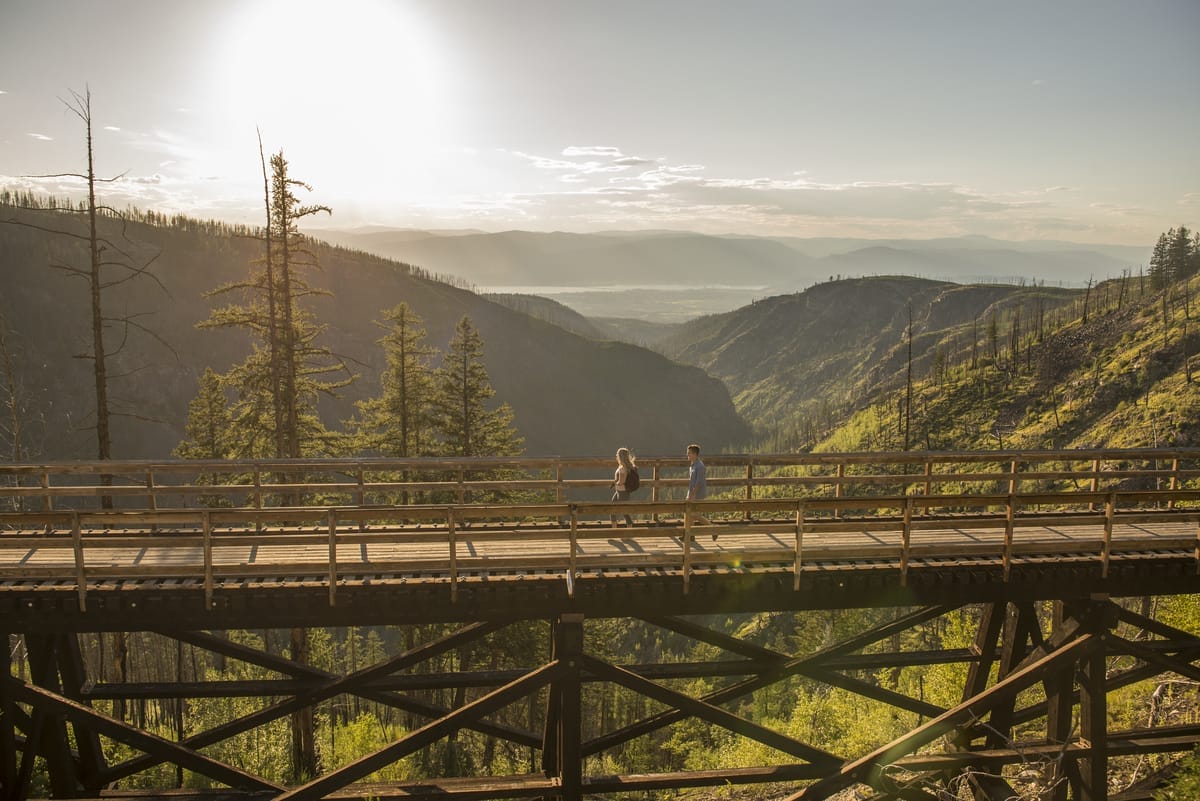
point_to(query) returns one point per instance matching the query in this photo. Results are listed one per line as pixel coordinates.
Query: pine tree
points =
(207, 429)
(1160, 266)
(1179, 253)
(277, 386)
(207, 432)
(397, 423)
(466, 426)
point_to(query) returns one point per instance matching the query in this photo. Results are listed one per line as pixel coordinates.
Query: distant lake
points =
(655, 302)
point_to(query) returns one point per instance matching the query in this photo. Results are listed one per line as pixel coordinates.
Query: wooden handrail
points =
(364, 482)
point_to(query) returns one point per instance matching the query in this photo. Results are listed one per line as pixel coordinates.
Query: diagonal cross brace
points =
(487, 704)
(779, 673)
(706, 711)
(329, 687)
(123, 732)
(864, 768)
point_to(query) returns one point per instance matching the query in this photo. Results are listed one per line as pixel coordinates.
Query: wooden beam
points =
(1093, 725)
(721, 640)
(874, 691)
(706, 711)
(328, 687)
(364, 766)
(867, 768)
(783, 671)
(8, 721)
(568, 638)
(120, 731)
(52, 743)
(87, 742)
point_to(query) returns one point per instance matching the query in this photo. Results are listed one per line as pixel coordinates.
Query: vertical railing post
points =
(1197, 548)
(559, 490)
(258, 496)
(1013, 481)
(1174, 481)
(47, 502)
(906, 540)
(654, 493)
(928, 482)
(1109, 508)
(152, 498)
(687, 547)
(1095, 483)
(450, 535)
(799, 545)
(1010, 514)
(206, 527)
(80, 572)
(462, 491)
(571, 574)
(333, 567)
(749, 488)
(361, 476)
(837, 489)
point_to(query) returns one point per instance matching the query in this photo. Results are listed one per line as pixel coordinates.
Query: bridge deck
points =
(379, 553)
(346, 571)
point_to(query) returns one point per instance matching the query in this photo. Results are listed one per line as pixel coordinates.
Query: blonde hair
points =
(625, 458)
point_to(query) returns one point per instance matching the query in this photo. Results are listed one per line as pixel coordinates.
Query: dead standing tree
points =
(111, 263)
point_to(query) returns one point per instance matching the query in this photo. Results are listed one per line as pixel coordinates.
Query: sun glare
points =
(345, 88)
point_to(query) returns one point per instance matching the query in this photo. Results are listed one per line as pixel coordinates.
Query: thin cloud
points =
(611, 152)
(42, 137)
(111, 128)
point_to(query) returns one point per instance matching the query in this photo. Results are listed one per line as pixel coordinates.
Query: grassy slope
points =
(1117, 380)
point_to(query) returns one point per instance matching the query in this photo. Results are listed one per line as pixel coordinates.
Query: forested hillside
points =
(835, 345)
(1124, 374)
(570, 394)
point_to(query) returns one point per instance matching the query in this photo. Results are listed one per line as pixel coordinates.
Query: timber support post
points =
(562, 755)
(1093, 705)
(8, 723)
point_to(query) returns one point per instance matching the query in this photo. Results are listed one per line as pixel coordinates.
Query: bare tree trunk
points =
(304, 747)
(908, 383)
(272, 317)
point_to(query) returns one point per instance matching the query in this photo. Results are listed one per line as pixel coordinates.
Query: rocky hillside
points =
(570, 394)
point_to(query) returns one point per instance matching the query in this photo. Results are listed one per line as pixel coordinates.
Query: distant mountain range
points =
(674, 258)
(570, 394)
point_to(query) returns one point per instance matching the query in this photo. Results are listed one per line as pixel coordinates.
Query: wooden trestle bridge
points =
(1045, 549)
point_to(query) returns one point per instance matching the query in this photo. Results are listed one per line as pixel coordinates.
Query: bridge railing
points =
(261, 484)
(336, 540)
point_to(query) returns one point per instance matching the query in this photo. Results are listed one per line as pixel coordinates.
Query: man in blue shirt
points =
(697, 486)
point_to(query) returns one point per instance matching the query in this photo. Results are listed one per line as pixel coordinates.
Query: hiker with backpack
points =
(625, 480)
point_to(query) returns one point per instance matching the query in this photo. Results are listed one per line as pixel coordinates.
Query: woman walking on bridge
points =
(625, 469)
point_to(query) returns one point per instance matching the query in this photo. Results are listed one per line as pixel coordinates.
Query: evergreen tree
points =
(1160, 268)
(466, 426)
(207, 431)
(1179, 253)
(397, 423)
(275, 414)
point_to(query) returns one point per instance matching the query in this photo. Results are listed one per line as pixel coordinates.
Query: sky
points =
(1023, 119)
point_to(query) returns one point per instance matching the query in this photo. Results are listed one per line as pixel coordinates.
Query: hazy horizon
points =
(1023, 121)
